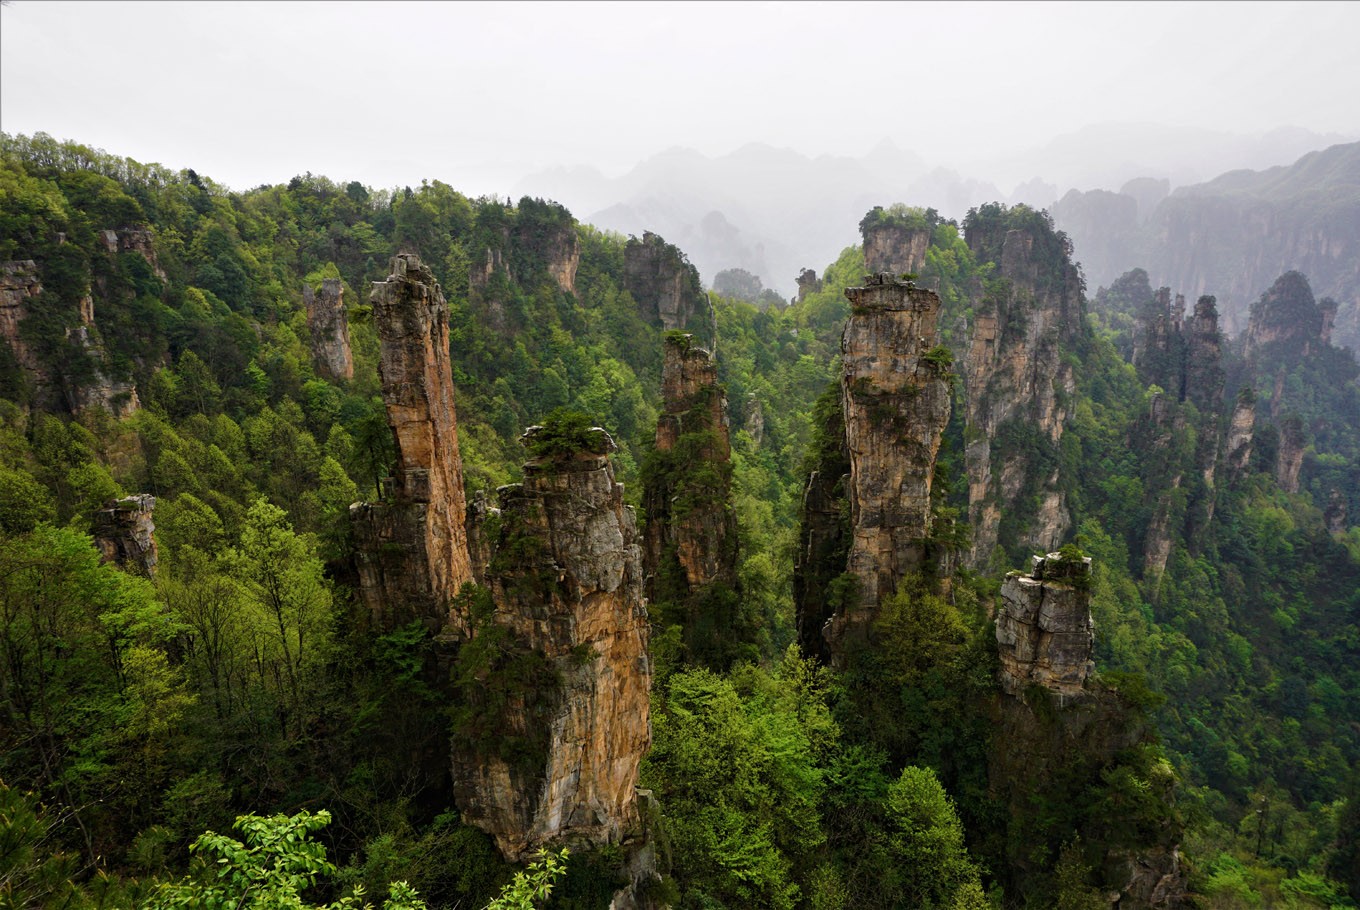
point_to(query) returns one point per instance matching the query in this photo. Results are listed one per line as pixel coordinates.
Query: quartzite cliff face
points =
(1018, 387)
(566, 580)
(894, 248)
(412, 546)
(895, 395)
(125, 533)
(664, 284)
(689, 513)
(1043, 629)
(330, 330)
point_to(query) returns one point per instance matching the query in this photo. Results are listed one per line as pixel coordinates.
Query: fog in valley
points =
(754, 136)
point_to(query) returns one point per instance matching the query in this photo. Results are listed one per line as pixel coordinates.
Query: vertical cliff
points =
(808, 283)
(894, 247)
(1063, 736)
(1019, 383)
(1043, 629)
(412, 546)
(125, 533)
(690, 551)
(19, 287)
(1289, 456)
(1203, 374)
(895, 396)
(329, 329)
(554, 682)
(1241, 429)
(664, 284)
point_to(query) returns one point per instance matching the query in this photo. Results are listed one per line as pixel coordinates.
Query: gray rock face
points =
(1241, 430)
(1044, 631)
(896, 401)
(662, 281)
(566, 580)
(412, 547)
(808, 283)
(330, 330)
(1016, 375)
(701, 532)
(19, 285)
(894, 248)
(125, 533)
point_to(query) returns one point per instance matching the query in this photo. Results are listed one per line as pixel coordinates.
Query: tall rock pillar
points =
(895, 395)
(412, 546)
(125, 533)
(555, 680)
(330, 330)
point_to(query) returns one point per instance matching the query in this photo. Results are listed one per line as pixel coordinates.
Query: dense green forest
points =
(245, 679)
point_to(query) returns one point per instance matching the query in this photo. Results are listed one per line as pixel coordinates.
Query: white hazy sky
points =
(479, 94)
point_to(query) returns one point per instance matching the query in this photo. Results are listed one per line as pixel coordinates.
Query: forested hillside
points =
(811, 740)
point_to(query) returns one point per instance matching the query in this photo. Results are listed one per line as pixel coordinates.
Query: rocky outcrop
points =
(1290, 319)
(1043, 629)
(125, 533)
(556, 679)
(689, 513)
(329, 329)
(1203, 373)
(1336, 514)
(895, 396)
(1018, 386)
(98, 390)
(483, 520)
(19, 286)
(808, 283)
(664, 284)
(1289, 456)
(133, 240)
(561, 255)
(412, 546)
(894, 248)
(1061, 731)
(1241, 430)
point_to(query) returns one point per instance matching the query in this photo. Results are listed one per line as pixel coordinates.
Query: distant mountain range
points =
(775, 211)
(1232, 236)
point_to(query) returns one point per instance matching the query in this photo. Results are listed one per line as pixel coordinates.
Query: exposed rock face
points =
(754, 424)
(823, 545)
(566, 579)
(1289, 458)
(483, 520)
(894, 248)
(1018, 385)
(1335, 516)
(413, 553)
(1043, 629)
(1287, 315)
(1242, 426)
(19, 285)
(662, 281)
(690, 519)
(895, 395)
(133, 240)
(1203, 383)
(117, 396)
(561, 256)
(808, 283)
(330, 330)
(125, 533)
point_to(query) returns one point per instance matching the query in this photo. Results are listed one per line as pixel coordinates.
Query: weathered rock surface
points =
(412, 547)
(566, 580)
(117, 396)
(1203, 382)
(664, 284)
(19, 285)
(808, 283)
(330, 330)
(896, 401)
(1018, 386)
(1044, 631)
(894, 248)
(1336, 514)
(125, 533)
(561, 255)
(1289, 456)
(1288, 315)
(1241, 430)
(688, 506)
(138, 240)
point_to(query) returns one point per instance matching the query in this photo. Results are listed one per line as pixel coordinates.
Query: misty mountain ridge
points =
(776, 210)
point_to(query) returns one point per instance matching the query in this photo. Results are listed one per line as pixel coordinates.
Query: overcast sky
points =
(480, 94)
